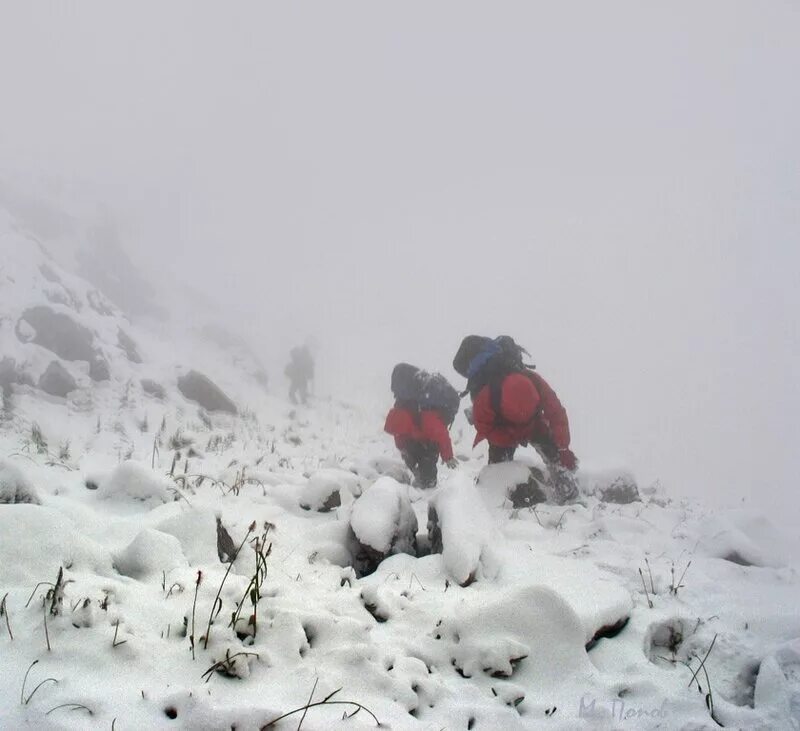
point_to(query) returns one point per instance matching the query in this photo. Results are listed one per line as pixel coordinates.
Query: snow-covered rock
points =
(196, 530)
(148, 554)
(743, 541)
(328, 489)
(521, 484)
(777, 691)
(133, 482)
(393, 468)
(611, 486)
(62, 335)
(460, 526)
(530, 623)
(15, 487)
(383, 523)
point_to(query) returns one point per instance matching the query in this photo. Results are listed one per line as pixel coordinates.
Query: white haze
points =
(616, 185)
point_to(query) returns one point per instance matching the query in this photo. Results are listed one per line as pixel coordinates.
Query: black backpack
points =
(418, 390)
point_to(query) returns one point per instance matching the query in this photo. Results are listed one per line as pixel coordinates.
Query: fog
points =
(614, 185)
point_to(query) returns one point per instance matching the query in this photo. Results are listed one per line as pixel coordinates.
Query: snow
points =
(15, 487)
(382, 513)
(778, 685)
(132, 482)
(196, 532)
(37, 540)
(489, 630)
(150, 553)
(468, 531)
(327, 483)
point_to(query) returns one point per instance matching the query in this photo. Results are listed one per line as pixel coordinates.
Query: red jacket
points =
(429, 427)
(530, 410)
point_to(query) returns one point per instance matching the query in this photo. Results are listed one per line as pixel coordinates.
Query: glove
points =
(567, 459)
(452, 463)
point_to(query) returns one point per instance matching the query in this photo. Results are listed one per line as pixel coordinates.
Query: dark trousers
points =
(421, 458)
(500, 454)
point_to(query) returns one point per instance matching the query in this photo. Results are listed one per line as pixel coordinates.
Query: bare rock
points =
(57, 381)
(61, 335)
(382, 523)
(622, 491)
(226, 548)
(153, 388)
(203, 391)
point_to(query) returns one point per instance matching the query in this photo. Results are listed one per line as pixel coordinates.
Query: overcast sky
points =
(616, 185)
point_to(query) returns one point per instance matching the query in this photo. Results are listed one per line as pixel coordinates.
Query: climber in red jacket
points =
(514, 406)
(424, 406)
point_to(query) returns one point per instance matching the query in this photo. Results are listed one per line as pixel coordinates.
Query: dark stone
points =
(60, 334)
(226, 549)
(98, 369)
(203, 391)
(154, 389)
(434, 530)
(128, 346)
(621, 491)
(57, 381)
(737, 558)
(333, 500)
(66, 338)
(607, 631)
(527, 494)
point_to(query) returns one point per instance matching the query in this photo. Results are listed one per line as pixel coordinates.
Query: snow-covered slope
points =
(591, 616)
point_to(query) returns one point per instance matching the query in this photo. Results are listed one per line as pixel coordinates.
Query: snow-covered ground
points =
(120, 507)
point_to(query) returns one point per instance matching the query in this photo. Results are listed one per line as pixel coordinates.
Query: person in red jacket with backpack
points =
(513, 406)
(425, 406)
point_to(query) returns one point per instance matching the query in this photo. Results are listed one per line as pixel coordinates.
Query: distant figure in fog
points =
(299, 371)
(425, 406)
